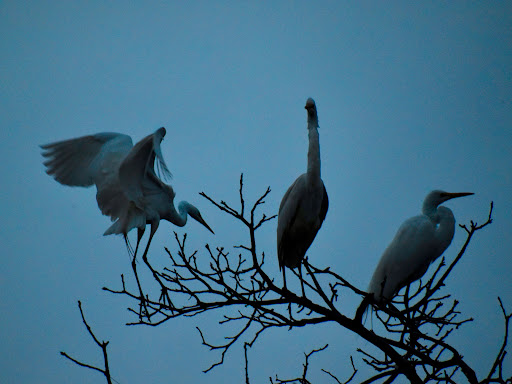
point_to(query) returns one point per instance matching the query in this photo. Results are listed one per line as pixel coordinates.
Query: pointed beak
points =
(457, 194)
(206, 225)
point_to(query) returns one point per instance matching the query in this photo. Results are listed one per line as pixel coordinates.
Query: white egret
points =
(128, 189)
(419, 241)
(304, 205)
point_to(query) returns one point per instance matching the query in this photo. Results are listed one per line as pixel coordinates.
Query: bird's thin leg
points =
(301, 281)
(140, 233)
(154, 227)
(165, 295)
(284, 289)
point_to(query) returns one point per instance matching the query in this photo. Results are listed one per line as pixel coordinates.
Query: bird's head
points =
(194, 213)
(312, 113)
(438, 197)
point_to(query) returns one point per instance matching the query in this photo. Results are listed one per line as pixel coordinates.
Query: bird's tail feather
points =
(362, 310)
(125, 225)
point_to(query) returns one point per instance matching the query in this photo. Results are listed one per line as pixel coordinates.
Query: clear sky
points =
(411, 97)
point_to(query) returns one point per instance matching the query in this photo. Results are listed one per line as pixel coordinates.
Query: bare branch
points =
(413, 329)
(303, 379)
(496, 372)
(103, 345)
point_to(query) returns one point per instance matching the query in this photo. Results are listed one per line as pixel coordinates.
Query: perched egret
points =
(128, 189)
(304, 205)
(419, 241)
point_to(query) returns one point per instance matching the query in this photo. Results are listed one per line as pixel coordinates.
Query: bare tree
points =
(410, 337)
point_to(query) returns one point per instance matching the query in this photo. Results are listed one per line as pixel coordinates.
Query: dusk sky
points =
(411, 97)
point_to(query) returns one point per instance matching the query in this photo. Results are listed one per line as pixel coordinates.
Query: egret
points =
(128, 189)
(304, 205)
(419, 241)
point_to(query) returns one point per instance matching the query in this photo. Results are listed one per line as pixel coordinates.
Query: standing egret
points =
(419, 241)
(128, 189)
(304, 205)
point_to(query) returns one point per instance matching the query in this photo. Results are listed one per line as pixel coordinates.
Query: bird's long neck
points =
(178, 218)
(313, 150)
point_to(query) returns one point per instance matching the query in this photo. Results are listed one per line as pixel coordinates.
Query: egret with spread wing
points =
(304, 205)
(128, 189)
(419, 241)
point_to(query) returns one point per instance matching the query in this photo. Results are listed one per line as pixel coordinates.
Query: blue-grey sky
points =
(410, 96)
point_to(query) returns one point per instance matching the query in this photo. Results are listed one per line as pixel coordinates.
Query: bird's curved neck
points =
(313, 151)
(429, 209)
(178, 218)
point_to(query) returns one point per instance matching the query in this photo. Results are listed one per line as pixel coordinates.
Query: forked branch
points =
(103, 345)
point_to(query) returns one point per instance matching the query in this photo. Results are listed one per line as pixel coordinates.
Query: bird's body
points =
(304, 205)
(419, 241)
(128, 189)
(309, 203)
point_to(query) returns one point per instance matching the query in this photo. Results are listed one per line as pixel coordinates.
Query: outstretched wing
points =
(86, 160)
(139, 164)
